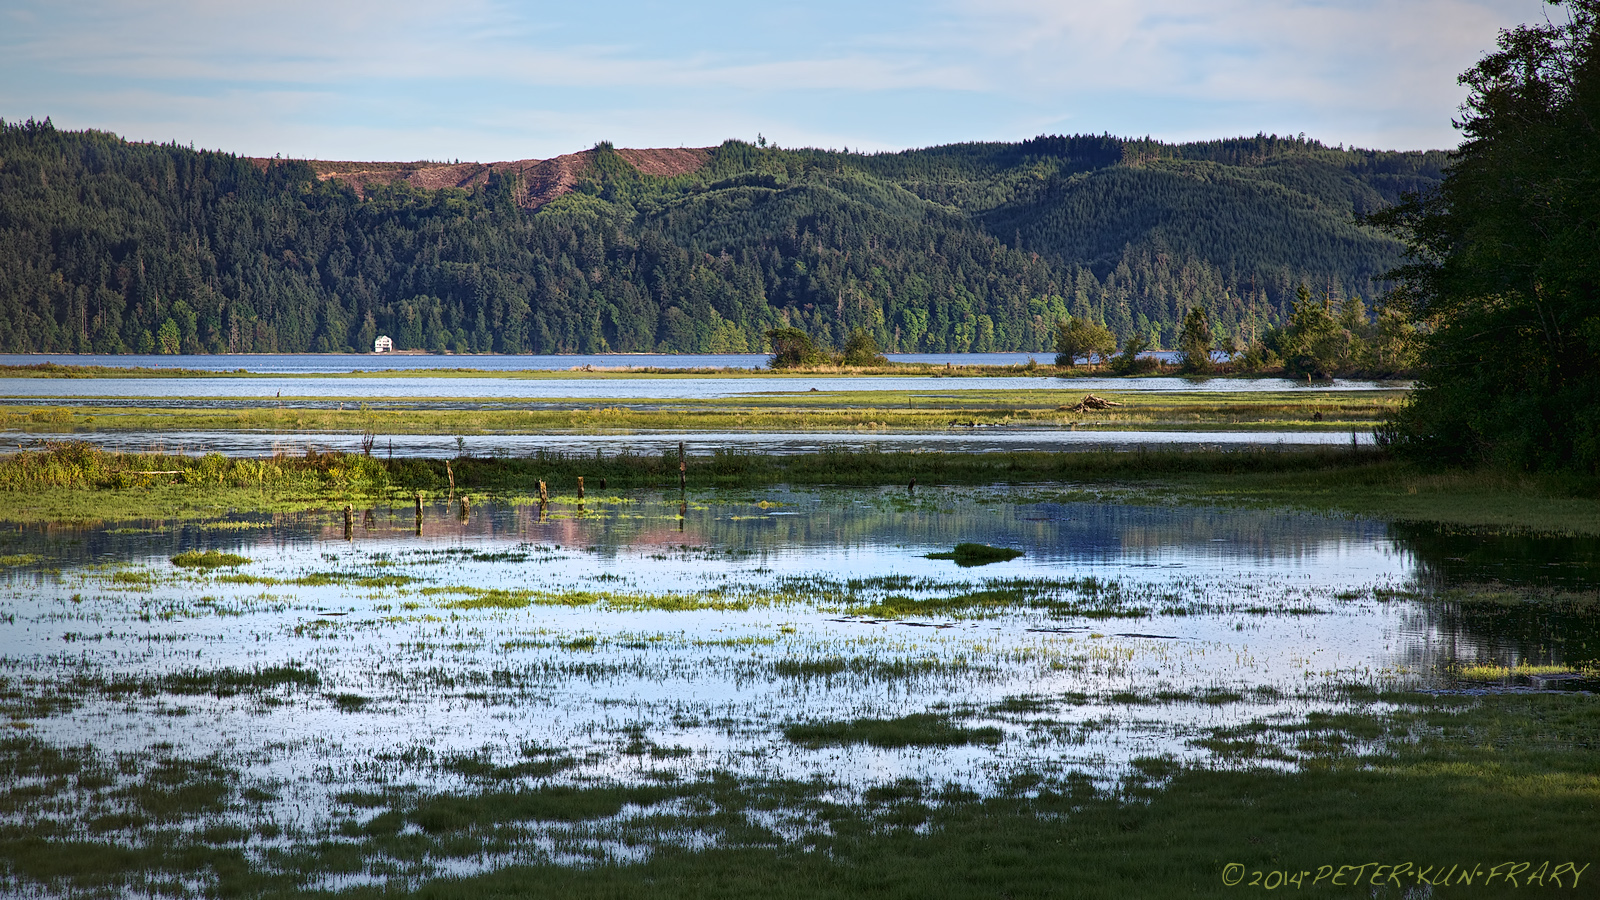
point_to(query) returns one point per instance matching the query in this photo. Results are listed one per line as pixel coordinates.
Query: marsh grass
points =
(1088, 597)
(915, 730)
(1515, 773)
(208, 559)
(510, 599)
(1493, 672)
(75, 482)
(864, 410)
(969, 555)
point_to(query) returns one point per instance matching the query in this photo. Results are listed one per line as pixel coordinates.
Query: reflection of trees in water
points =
(1449, 556)
(1503, 598)
(863, 516)
(735, 521)
(1536, 632)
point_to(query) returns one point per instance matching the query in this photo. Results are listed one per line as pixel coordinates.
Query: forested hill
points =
(109, 246)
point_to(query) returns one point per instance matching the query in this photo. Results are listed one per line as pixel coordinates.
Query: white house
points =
(382, 344)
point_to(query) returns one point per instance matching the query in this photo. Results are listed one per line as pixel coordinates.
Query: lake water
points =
(359, 388)
(955, 440)
(334, 363)
(695, 634)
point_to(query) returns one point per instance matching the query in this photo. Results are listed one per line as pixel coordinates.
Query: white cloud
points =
(397, 79)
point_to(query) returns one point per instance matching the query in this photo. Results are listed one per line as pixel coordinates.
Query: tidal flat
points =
(773, 688)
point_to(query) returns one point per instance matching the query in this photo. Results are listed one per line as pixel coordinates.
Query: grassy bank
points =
(79, 482)
(806, 411)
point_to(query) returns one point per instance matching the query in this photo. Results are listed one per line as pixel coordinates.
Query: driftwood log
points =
(1089, 403)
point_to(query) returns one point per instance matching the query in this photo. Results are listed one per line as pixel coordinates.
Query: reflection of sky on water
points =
(957, 440)
(636, 387)
(342, 363)
(1252, 599)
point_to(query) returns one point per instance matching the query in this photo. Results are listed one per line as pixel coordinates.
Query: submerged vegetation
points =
(916, 730)
(1515, 771)
(515, 703)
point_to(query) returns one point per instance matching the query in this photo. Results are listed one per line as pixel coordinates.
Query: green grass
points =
(1087, 597)
(868, 410)
(209, 559)
(501, 598)
(78, 483)
(969, 555)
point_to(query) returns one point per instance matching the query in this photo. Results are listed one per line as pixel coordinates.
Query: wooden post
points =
(912, 487)
(451, 473)
(544, 494)
(602, 484)
(580, 488)
(419, 512)
(683, 470)
(683, 513)
(349, 523)
(466, 507)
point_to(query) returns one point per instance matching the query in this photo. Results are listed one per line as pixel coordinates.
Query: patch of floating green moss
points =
(968, 555)
(209, 559)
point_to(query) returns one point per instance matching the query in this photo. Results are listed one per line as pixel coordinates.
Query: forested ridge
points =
(109, 246)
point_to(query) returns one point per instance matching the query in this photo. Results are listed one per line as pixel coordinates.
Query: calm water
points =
(699, 631)
(333, 363)
(956, 440)
(1197, 599)
(630, 388)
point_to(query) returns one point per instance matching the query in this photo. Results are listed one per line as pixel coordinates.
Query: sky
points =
(494, 80)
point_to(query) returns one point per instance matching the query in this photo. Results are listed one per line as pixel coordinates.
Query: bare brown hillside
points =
(543, 179)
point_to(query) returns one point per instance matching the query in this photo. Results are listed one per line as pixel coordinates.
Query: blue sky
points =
(489, 80)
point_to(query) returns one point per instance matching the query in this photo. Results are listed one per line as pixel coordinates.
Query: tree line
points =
(110, 246)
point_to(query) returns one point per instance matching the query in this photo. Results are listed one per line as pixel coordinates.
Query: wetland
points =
(874, 639)
(781, 687)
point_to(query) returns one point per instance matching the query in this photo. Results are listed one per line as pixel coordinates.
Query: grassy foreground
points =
(78, 482)
(1404, 796)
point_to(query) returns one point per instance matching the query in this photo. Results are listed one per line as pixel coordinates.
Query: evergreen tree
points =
(1504, 265)
(861, 349)
(965, 247)
(1195, 342)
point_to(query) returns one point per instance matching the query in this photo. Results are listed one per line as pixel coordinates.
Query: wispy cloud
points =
(490, 77)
